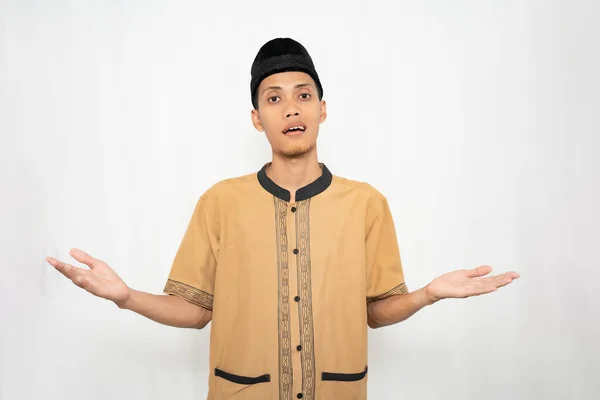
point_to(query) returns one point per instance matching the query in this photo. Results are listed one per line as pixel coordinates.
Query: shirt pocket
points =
(231, 386)
(343, 385)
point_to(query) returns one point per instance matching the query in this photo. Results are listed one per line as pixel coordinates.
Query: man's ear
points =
(323, 111)
(256, 120)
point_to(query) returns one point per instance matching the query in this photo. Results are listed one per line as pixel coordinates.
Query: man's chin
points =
(295, 151)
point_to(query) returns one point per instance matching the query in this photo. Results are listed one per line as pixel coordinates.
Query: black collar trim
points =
(304, 193)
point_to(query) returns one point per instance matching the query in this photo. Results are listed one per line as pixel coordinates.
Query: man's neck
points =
(294, 173)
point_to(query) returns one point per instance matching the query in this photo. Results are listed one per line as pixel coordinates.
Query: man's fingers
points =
(83, 257)
(85, 280)
(79, 276)
(66, 269)
(491, 284)
(502, 280)
(479, 271)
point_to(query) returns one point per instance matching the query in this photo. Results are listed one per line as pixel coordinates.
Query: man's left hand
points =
(467, 283)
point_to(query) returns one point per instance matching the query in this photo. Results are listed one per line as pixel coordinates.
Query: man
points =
(291, 264)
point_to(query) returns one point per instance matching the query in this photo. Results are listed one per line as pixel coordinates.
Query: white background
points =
(479, 120)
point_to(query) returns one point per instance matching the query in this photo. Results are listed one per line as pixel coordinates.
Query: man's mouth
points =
(294, 129)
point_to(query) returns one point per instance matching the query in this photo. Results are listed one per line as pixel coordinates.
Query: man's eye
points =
(272, 99)
(305, 96)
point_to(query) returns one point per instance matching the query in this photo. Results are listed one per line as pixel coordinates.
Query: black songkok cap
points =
(281, 55)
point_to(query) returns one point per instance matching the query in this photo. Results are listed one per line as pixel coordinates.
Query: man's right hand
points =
(100, 280)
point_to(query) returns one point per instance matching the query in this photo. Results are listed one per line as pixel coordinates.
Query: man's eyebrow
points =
(298, 86)
(272, 88)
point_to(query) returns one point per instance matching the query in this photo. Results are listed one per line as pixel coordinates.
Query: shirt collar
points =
(304, 193)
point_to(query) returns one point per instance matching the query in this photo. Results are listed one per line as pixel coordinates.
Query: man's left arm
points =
(396, 309)
(388, 299)
(456, 284)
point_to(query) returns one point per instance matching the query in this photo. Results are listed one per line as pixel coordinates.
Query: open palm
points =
(467, 283)
(100, 280)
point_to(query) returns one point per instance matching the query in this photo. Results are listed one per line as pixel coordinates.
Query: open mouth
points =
(294, 129)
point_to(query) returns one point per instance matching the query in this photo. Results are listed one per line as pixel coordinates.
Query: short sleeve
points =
(192, 274)
(385, 276)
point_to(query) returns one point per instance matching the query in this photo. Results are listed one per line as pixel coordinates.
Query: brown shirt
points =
(288, 284)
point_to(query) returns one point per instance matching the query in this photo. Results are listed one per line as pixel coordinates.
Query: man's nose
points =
(291, 110)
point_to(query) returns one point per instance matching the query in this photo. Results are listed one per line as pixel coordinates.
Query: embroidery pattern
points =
(285, 337)
(190, 293)
(305, 290)
(400, 289)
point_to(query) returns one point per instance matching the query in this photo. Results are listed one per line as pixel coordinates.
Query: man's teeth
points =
(295, 128)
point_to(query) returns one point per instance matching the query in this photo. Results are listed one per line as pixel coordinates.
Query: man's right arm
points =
(102, 281)
(167, 309)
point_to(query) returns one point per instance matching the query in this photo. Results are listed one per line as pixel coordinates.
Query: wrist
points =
(125, 303)
(429, 298)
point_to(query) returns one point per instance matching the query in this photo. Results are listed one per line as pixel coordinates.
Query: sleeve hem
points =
(399, 289)
(189, 293)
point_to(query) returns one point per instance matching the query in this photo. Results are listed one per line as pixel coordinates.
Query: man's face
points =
(289, 112)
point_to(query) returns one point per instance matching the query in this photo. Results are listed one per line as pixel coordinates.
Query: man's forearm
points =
(167, 310)
(397, 308)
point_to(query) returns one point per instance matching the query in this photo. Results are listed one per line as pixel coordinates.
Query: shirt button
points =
(299, 348)
(297, 299)
(295, 251)
(299, 395)
(293, 209)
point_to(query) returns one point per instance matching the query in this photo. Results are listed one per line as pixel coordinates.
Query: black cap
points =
(281, 55)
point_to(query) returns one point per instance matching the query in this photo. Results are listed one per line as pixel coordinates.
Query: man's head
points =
(287, 97)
